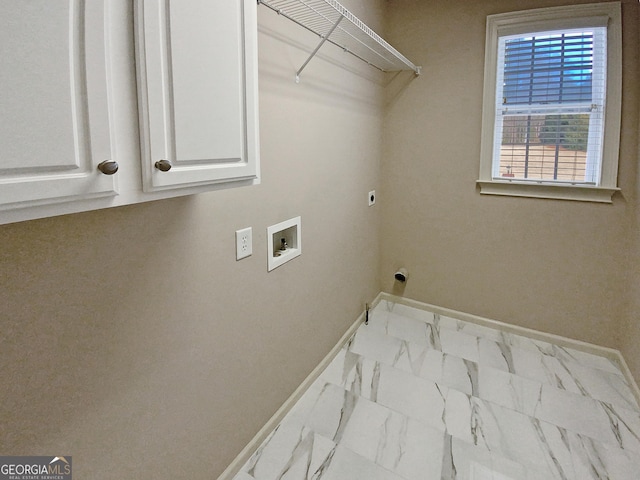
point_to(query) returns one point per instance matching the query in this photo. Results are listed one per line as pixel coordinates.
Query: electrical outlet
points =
(372, 198)
(244, 243)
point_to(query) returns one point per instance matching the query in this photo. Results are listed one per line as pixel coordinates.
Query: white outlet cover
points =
(372, 198)
(244, 243)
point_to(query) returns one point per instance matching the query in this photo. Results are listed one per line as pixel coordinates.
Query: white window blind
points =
(550, 103)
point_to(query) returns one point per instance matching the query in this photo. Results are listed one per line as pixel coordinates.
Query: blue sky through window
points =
(548, 69)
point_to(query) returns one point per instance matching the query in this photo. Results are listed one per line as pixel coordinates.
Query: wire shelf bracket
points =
(334, 24)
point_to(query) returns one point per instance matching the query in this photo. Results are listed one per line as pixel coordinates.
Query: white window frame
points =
(548, 19)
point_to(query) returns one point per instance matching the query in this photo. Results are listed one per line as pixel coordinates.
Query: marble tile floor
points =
(415, 396)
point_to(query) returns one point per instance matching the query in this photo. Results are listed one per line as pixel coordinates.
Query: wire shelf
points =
(335, 24)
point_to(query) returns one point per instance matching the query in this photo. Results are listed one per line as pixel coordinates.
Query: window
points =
(551, 113)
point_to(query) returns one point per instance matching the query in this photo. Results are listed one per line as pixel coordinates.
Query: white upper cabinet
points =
(54, 122)
(197, 84)
(88, 86)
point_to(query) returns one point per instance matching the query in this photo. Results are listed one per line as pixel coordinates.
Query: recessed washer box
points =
(284, 242)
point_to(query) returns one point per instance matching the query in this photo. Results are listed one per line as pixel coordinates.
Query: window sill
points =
(581, 193)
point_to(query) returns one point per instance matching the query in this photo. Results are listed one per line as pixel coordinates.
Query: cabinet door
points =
(54, 110)
(197, 78)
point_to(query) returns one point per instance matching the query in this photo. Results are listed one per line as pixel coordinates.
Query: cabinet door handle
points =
(108, 167)
(163, 165)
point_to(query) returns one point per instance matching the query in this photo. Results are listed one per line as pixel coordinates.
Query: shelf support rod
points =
(313, 54)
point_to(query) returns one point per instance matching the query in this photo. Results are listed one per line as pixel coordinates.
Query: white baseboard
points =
(628, 376)
(235, 466)
(610, 353)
